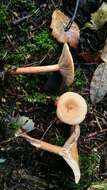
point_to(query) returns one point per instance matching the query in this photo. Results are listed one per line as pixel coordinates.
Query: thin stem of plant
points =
(73, 18)
(48, 129)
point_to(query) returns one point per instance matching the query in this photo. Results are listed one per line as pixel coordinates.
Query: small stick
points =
(11, 43)
(72, 20)
(20, 20)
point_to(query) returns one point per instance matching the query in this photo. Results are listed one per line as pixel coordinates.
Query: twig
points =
(38, 26)
(20, 20)
(97, 121)
(72, 20)
(11, 43)
(53, 4)
(7, 141)
(102, 145)
(48, 129)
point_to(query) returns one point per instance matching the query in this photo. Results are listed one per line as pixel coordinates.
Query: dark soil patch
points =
(21, 165)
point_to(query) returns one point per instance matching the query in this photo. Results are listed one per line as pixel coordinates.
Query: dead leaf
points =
(98, 18)
(104, 53)
(25, 124)
(58, 24)
(90, 57)
(98, 87)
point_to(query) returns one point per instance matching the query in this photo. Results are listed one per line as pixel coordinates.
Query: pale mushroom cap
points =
(58, 23)
(71, 108)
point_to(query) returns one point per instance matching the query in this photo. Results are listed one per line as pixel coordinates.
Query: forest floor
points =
(29, 42)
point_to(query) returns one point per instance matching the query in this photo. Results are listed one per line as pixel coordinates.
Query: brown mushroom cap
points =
(58, 23)
(71, 108)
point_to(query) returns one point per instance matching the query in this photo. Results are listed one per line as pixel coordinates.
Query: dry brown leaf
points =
(90, 57)
(98, 87)
(58, 24)
(104, 53)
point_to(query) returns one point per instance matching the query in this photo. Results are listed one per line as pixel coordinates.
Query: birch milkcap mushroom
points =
(58, 24)
(68, 151)
(65, 66)
(71, 108)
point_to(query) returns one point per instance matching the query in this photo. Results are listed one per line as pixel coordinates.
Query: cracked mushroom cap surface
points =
(71, 108)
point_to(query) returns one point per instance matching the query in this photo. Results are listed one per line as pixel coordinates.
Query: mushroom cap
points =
(66, 65)
(58, 23)
(71, 108)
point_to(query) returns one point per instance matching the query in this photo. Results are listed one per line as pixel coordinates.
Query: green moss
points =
(14, 125)
(17, 57)
(23, 5)
(88, 166)
(59, 140)
(100, 185)
(38, 98)
(4, 22)
(22, 47)
(30, 88)
(88, 163)
(80, 81)
(3, 14)
(31, 48)
(45, 42)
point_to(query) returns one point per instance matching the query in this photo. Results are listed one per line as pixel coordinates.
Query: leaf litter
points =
(98, 18)
(98, 87)
(100, 81)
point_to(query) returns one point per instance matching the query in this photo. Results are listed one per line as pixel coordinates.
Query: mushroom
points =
(58, 26)
(71, 146)
(69, 151)
(65, 66)
(71, 108)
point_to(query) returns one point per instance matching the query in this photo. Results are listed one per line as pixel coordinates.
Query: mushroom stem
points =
(44, 145)
(34, 70)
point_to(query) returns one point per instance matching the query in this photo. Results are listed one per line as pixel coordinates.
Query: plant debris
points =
(104, 53)
(27, 41)
(99, 83)
(98, 18)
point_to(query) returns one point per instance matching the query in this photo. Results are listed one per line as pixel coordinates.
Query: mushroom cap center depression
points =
(70, 105)
(71, 108)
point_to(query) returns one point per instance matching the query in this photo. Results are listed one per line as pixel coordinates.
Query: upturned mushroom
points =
(69, 151)
(65, 66)
(58, 26)
(71, 108)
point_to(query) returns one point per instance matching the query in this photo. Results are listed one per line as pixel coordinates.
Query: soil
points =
(22, 166)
